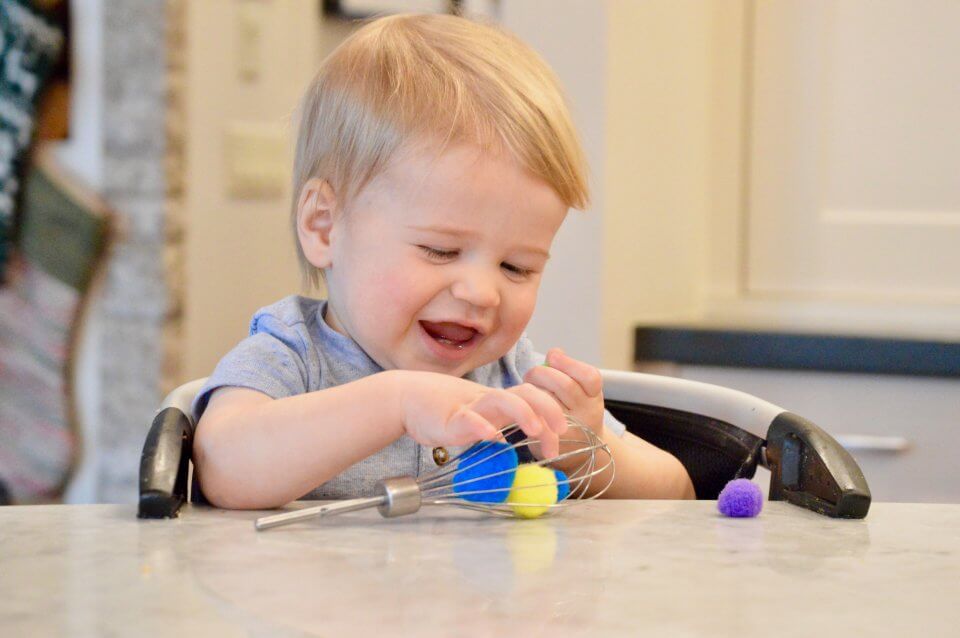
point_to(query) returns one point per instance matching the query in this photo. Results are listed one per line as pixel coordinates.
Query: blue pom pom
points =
(487, 467)
(563, 485)
(741, 498)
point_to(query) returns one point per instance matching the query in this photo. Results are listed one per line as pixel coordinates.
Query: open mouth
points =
(450, 334)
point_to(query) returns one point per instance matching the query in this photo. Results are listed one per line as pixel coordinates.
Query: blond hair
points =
(405, 78)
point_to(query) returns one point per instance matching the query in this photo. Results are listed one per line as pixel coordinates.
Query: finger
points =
(549, 443)
(466, 426)
(536, 378)
(502, 408)
(583, 373)
(558, 383)
(544, 405)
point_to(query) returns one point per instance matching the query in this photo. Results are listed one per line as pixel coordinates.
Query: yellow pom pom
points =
(534, 490)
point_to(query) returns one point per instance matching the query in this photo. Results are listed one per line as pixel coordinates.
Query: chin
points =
(458, 370)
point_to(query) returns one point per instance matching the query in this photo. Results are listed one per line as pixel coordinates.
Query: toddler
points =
(435, 163)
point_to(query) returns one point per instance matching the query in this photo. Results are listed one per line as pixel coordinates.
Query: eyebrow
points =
(459, 232)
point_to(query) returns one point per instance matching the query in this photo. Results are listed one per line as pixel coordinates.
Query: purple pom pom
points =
(741, 498)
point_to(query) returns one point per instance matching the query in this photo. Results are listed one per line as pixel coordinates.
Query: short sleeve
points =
(271, 360)
(525, 358)
(611, 423)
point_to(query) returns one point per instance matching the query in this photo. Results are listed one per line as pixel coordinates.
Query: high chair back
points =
(719, 434)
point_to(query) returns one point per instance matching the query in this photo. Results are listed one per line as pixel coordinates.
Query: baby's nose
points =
(477, 287)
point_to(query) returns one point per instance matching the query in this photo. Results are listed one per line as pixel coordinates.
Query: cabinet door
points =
(854, 150)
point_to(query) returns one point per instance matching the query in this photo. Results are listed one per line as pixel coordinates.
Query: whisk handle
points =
(398, 496)
(401, 495)
(340, 507)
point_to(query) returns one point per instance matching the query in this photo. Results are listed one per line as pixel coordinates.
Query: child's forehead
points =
(465, 192)
(456, 173)
(450, 160)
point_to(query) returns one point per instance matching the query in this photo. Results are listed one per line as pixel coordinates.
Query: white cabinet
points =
(854, 151)
(837, 124)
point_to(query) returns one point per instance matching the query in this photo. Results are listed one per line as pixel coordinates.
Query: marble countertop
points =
(611, 568)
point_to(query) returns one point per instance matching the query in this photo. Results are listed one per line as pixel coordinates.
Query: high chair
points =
(717, 433)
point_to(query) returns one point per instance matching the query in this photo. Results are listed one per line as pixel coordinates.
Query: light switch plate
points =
(251, 17)
(257, 159)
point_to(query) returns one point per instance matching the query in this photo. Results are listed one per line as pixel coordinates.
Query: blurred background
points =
(761, 171)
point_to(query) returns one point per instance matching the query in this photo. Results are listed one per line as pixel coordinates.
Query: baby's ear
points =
(316, 212)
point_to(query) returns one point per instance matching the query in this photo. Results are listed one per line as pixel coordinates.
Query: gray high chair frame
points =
(719, 434)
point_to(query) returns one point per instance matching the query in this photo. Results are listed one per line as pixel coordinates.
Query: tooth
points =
(445, 341)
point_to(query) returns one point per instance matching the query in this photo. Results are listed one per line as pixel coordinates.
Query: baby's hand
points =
(438, 409)
(576, 385)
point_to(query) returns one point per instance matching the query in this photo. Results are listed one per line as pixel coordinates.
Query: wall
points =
(569, 307)
(118, 146)
(654, 90)
(658, 117)
(239, 251)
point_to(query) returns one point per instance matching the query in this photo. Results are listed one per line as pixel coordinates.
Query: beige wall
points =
(659, 133)
(569, 307)
(239, 253)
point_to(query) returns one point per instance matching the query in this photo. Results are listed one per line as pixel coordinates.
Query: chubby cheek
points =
(397, 299)
(516, 312)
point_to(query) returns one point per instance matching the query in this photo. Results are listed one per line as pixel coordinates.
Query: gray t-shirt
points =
(291, 350)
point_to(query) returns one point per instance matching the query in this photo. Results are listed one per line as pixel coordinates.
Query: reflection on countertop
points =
(599, 569)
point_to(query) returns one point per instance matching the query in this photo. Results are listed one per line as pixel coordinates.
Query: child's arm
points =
(642, 470)
(252, 451)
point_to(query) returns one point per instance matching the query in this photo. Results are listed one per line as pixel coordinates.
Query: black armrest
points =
(810, 469)
(712, 451)
(164, 464)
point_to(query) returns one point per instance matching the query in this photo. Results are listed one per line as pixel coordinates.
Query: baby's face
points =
(437, 263)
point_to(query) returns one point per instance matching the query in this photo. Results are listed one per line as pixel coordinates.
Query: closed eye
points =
(516, 270)
(438, 253)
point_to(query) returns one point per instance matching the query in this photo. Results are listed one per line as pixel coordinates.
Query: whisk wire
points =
(445, 485)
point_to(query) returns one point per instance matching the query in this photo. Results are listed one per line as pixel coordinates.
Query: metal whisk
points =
(464, 482)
